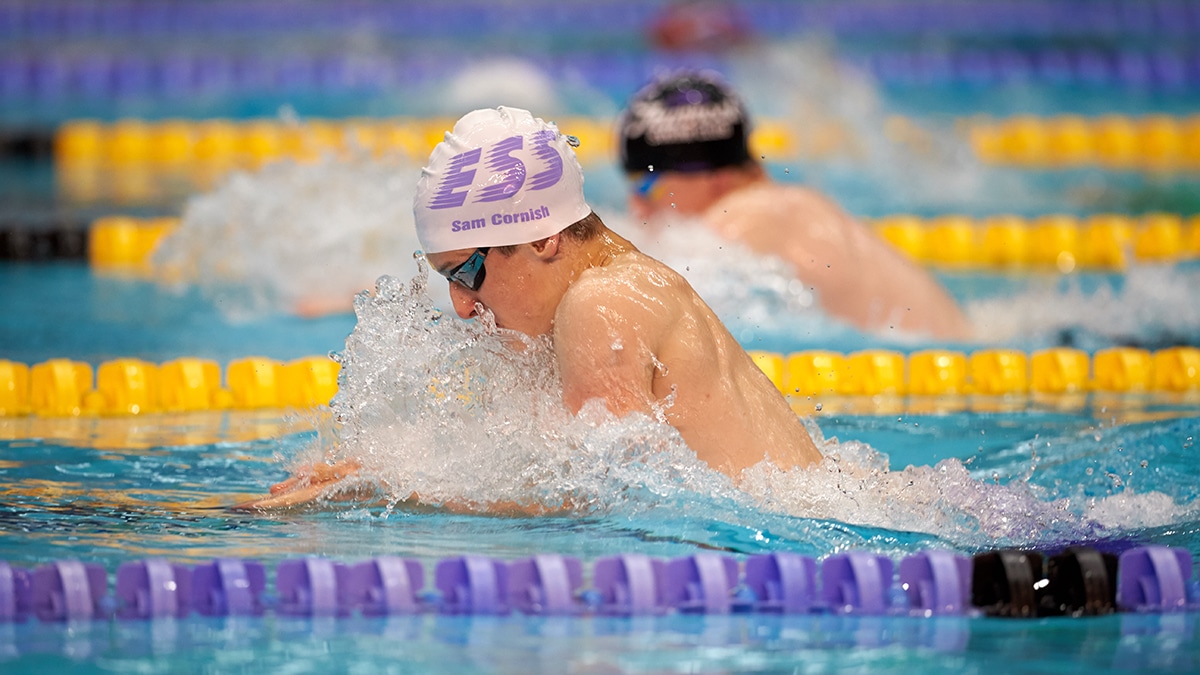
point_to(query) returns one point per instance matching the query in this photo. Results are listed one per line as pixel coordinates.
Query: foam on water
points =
(869, 159)
(295, 237)
(750, 292)
(465, 413)
(469, 416)
(303, 238)
(1149, 304)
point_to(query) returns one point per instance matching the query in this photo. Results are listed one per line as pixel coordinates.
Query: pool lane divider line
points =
(121, 387)
(44, 243)
(1101, 242)
(1062, 243)
(1156, 143)
(928, 380)
(1055, 371)
(194, 25)
(146, 162)
(201, 151)
(1078, 581)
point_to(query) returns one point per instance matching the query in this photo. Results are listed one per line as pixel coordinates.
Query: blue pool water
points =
(1114, 473)
(110, 490)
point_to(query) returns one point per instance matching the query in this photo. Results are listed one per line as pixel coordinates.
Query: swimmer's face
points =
(507, 285)
(657, 193)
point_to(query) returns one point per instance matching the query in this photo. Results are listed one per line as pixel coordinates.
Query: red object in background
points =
(700, 26)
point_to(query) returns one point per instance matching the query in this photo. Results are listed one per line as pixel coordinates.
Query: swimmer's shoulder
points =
(635, 272)
(631, 281)
(769, 202)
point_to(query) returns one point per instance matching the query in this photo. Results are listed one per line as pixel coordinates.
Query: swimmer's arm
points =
(601, 342)
(306, 486)
(323, 482)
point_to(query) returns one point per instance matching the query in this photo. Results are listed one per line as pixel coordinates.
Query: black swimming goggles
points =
(470, 272)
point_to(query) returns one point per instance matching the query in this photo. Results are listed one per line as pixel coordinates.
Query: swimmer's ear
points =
(546, 248)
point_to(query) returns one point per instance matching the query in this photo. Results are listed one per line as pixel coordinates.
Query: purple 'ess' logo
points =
(452, 191)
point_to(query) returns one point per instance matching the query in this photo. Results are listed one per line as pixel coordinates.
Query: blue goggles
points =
(643, 187)
(470, 272)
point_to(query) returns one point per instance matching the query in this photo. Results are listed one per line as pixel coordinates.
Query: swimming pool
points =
(1114, 471)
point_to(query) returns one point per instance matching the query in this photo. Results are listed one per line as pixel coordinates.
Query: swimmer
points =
(684, 149)
(500, 212)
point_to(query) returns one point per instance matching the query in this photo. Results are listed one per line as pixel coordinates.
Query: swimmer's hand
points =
(309, 485)
(323, 482)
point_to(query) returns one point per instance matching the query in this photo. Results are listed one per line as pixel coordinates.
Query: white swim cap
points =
(501, 177)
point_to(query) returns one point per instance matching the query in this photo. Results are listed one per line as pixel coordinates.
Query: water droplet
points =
(819, 407)
(1090, 471)
(1145, 464)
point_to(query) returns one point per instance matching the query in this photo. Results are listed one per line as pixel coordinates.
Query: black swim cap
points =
(684, 121)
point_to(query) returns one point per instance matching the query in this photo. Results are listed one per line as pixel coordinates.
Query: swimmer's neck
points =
(601, 250)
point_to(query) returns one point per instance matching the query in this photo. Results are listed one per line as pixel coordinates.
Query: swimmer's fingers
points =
(309, 495)
(288, 484)
(318, 474)
(301, 496)
(324, 473)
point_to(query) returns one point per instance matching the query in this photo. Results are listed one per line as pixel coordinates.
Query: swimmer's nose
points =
(463, 299)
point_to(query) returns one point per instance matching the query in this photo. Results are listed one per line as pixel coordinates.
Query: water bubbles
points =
(294, 237)
(1151, 303)
(466, 413)
(746, 290)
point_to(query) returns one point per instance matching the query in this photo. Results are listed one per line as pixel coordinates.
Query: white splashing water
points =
(467, 415)
(295, 237)
(1153, 302)
(880, 161)
(739, 285)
